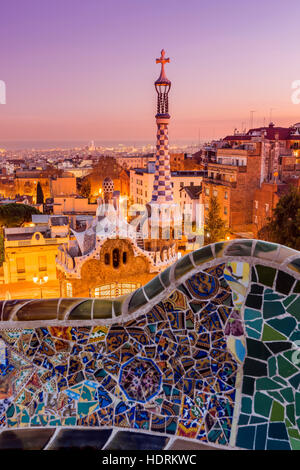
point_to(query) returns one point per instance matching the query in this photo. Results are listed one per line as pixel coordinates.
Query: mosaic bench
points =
(206, 355)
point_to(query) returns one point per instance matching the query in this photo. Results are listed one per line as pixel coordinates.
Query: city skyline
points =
(77, 72)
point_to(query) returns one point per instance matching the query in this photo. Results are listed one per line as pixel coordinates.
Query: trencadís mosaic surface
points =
(207, 353)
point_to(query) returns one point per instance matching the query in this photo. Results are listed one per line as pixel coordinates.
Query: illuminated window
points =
(116, 258)
(20, 265)
(69, 289)
(42, 263)
(115, 289)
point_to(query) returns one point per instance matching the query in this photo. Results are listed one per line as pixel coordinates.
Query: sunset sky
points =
(82, 70)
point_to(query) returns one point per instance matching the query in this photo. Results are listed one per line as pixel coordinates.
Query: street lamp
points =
(40, 281)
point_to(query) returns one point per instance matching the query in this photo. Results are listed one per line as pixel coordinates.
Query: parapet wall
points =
(207, 353)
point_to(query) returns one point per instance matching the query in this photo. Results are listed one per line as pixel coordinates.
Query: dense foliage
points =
(14, 215)
(215, 228)
(284, 225)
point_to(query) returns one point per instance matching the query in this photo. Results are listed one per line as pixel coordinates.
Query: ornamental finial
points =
(162, 60)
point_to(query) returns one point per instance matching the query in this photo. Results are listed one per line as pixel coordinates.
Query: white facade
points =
(141, 184)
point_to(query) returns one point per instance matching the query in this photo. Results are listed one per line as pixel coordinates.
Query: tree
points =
(14, 215)
(39, 194)
(284, 225)
(1, 249)
(214, 229)
(85, 188)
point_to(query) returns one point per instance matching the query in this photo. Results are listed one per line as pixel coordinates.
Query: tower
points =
(162, 189)
(160, 226)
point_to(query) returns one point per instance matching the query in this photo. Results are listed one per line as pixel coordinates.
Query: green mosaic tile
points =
(153, 288)
(38, 310)
(285, 368)
(165, 277)
(102, 308)
(295, 443)
(273, 296)
(183, 266)
(240, 248)
(272, 309)
(137, 300)
(272, 369)
(281, 381)
(277, 413)
(295, 336)
(276, 395)
(220, 249)
(266, 274)
(82, 311)
(289, 299)
(297, 403)
(267, 384)
(284, 325)
(290, 413)
(262, 404)
(290, 356)
(203, 255)
(246, 405)
(288, 394)
(269, 334)
(118, 304)
(294, 308)
(265, 250)
(294, 433)
(295, 381)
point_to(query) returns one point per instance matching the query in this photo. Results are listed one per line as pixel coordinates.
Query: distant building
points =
(31, 251)
(64, 186)
(141, 183)
(248, 167)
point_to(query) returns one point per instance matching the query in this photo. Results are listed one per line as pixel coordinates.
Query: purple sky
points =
(82, 70)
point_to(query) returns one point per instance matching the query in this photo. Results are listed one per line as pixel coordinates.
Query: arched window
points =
(116, 258)
(106, 258)
(124, 257)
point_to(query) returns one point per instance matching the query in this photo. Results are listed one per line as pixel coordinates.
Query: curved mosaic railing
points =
(207, 353)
